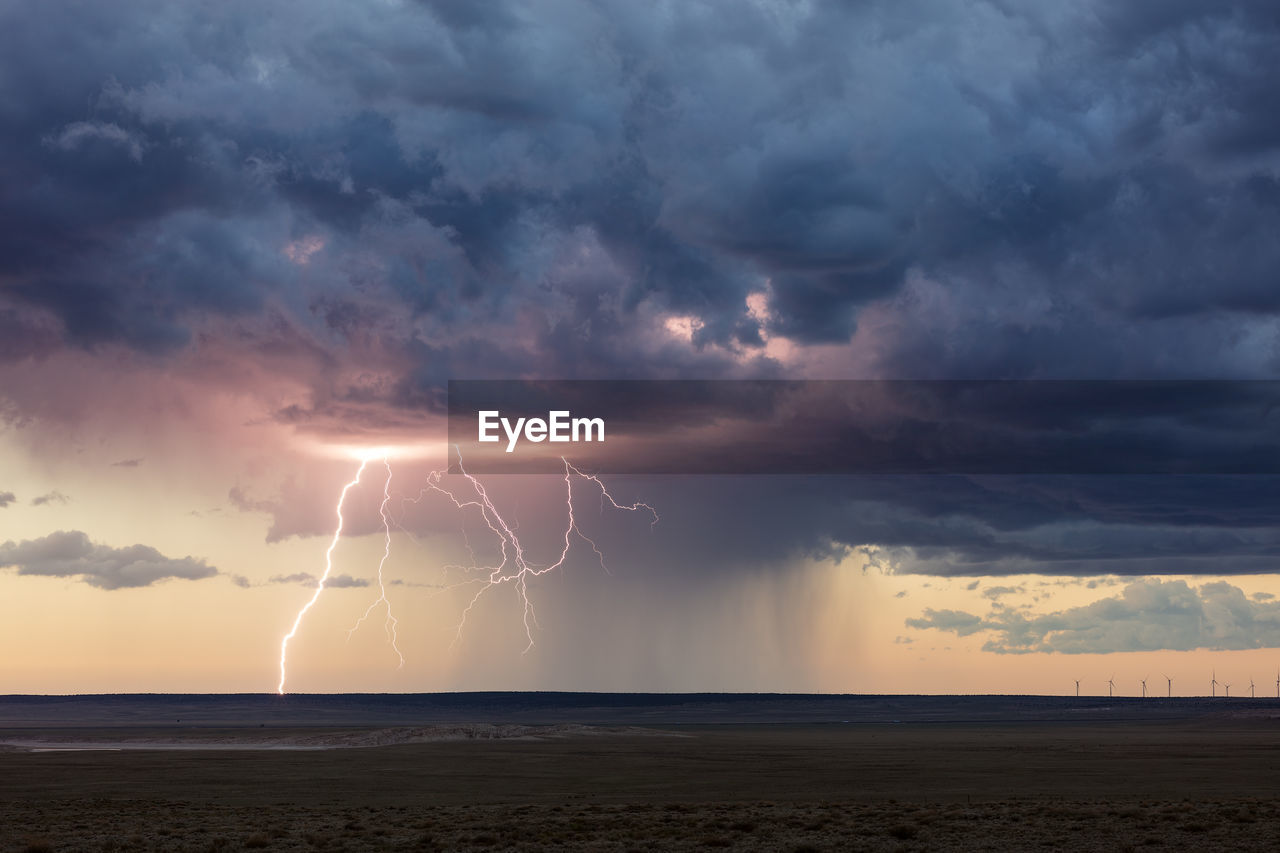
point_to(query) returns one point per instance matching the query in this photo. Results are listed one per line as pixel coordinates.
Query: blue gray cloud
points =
(1081, 191)
(71, 554)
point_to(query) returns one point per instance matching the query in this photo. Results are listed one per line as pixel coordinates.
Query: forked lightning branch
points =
(515, 568)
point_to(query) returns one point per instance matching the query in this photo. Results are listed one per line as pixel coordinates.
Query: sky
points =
(243, 248)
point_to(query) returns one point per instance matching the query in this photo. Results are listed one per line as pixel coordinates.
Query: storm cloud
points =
(579, 171)
(362, 201)
(71, 554)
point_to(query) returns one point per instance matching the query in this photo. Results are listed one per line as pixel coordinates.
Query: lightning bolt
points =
(328, 567)
(513, 568)
(391, 622)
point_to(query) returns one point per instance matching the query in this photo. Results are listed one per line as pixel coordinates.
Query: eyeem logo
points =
(558, 427)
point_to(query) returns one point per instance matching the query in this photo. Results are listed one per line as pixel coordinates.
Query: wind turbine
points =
(1111, 683)
(1144, 688)
(1170, 680)
(1213, 683)
(1252, 695)
(1228, 686)
(1277, 685)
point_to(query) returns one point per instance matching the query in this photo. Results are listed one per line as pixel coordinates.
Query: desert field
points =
(1203, 777)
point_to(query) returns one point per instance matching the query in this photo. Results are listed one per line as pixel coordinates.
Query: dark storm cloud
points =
(1070, 171)
(531, 189)
(22, 334)
(70, 554)
(1148, 615)
(1105, 519)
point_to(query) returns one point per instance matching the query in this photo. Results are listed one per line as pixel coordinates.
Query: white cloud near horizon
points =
(1150, 614)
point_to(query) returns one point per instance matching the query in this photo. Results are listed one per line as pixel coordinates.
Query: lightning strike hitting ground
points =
(391, 623)
(514, 567)
(328, 567)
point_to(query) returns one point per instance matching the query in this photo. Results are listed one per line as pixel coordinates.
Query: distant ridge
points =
(553, 707)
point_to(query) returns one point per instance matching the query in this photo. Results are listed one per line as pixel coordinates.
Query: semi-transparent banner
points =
(866, 427)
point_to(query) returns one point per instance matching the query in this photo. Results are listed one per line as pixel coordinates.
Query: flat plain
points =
(681, 773)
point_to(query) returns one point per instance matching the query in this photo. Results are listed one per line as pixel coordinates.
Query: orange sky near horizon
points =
(820, 626)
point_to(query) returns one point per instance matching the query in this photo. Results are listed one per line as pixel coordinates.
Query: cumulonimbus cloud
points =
(368, 221)
(71, 554)
(567, 166)
(1148, 615)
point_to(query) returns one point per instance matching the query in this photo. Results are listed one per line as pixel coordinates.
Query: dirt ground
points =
(1208, 783)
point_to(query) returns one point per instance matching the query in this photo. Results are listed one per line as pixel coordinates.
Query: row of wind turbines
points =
(1214, 683)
